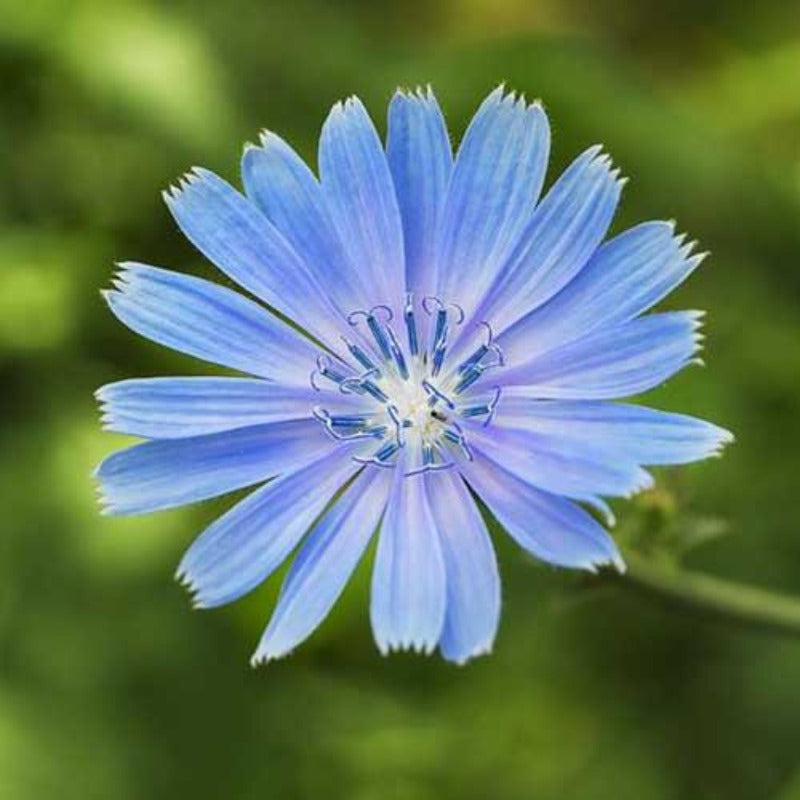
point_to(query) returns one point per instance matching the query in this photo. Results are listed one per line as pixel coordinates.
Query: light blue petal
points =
(559, 464)
(624, 278)
(235, 236)
(245, 545)
(408, 581)
(210, 322)
(564, 232)
(553, 529)
(174, 472)
(420, 158)
(324, 564)
(174, 408)
(643, 435)
(360, 193)
(473, 581)
(616, 362)
(280, 183)
(497, 177)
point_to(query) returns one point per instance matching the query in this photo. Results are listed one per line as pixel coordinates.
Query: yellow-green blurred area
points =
(111, 687)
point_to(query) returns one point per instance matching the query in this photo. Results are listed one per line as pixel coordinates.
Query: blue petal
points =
(210, 322)
(358, 187)
(496, 181)
(245, 545)
(642, 435)
(233, 234)
(551, 528)
(324, 565)
(173, 408)
(420, 158)
(564, 232)
(625, 277)
(173, 472)
(614, 362)
(280, 183)
(408, 581)
(559, 464)
(473, 581)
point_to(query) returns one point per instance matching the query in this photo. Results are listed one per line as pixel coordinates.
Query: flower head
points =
(454, 334)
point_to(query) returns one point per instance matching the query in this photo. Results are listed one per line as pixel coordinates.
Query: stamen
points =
(397, 354)
(440, 327)
(411, 327)
(469, 377)
(476, 370)
(359, 355)
(372, 460)
(493, 406)
(473, 359)
(354, 422)
(455, 435)
(429, 298)
(429, 463)
(362, 384)
(438, 356)
(440, 330)
(484, 409)
(326, 371)
(320, 414)
(460, 310)
(399, 424)
(377, 431)
(443, 465)
(481, 351)
(348, 421)
(474, 411)
(387, 451)
(375, 327)
(435, 395)
(375, 391)
(501, 359)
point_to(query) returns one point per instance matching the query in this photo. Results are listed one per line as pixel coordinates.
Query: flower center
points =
(412, 398)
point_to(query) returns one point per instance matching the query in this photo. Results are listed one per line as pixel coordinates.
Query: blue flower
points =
(454, 333)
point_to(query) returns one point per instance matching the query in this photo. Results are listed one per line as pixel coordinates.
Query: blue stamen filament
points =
(474, 411)
(387, 451)
(326, 370)
(435, 395)
(411, 326)
(473, 359)
(397, 354)
(359, 355)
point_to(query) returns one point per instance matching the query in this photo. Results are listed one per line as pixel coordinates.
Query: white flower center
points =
(412, 397)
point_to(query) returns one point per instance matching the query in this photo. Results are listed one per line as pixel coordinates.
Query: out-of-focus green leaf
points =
(151, 64)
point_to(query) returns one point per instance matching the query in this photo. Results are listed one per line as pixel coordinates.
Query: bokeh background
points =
(110, 686)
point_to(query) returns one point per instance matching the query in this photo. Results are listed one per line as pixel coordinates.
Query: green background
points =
(111, 687)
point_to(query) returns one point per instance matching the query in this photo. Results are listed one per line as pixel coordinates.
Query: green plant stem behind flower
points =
(746, 605)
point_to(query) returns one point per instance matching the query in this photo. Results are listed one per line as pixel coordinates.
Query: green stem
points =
(745, 605)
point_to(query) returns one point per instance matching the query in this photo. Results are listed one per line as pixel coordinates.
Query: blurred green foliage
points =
(111, 687)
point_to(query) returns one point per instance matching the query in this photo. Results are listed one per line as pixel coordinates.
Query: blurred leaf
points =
(750, 91)
(37, 293)
(152, 63)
